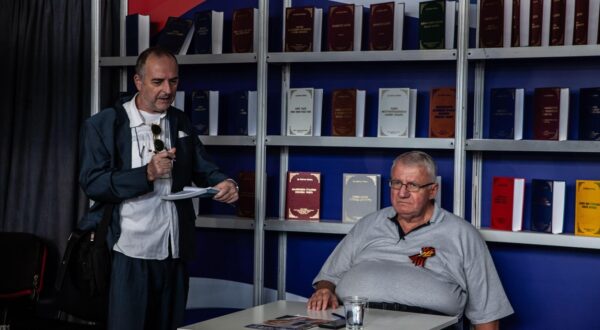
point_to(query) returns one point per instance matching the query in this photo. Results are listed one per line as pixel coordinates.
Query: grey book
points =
(360, 196)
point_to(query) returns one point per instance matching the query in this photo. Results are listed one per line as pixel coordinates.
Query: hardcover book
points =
(580, 29)
(137, 34)
(546, 21)
(344, 27)
(397, 112)
(551, 113)
(303, 29)
(303, 196)
(594, 9)
(587, 208)
(347, 112)
(507, 203)
(515, 33)
(176, 36)
(491, 23)
(506, 113)
(300, 112)
(245, 204)
(243, 117)
(535, 22)
(432, 17)
(524, 22)
(589, 114)
(386, 26)
(208, 35)
(244, 30)
(360, 196)
(557, 22)
(547, 206)
(569, 22)
(508, 25)
(442, 111)
(204, 112)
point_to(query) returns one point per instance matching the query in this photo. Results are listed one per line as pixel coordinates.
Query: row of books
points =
(551, 113)
(520, 23)
(202, 35)
(547, 205)
(303, 26)
(361, 195)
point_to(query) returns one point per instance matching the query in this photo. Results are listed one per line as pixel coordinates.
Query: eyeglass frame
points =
(415, 187)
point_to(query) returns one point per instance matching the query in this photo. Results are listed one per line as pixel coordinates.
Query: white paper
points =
(189, 192)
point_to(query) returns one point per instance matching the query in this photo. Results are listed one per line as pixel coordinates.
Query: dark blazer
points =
(106, 175)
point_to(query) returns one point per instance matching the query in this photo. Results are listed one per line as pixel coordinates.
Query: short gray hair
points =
(417, 158)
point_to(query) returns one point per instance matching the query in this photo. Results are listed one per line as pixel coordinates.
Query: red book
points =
(340, 28)
(491, 23)
(515, 40)
(303, 196)
(557, 22)
(381, 26)
(442, 111)
(507, 203)
(580, 30)
(535, 22)
(343, 112)
(547, 114)
(243, 30)
(299, 29)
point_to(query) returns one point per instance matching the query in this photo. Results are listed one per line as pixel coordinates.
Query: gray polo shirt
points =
(373, 261)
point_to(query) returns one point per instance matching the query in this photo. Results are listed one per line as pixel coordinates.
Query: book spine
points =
(580, 30)
(557, 23)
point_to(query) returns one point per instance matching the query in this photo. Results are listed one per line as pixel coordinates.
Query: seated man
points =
(415, 256)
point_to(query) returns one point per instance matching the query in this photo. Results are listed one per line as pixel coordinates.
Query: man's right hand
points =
(160, 164)
(324, 297)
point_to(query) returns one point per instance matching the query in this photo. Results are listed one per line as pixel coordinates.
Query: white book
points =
(360, 196)
(546, 18)
(569, 22)
(317, 29)
(563, 122)
(213, 113)
(300, 112)
(252, 112)
(179, 100)
(524, 23)
(519, 104)
(412, 115)
(394, 112)
(450, 24)
(508, 10)
(594, 9)
(358, 20)
(317, 111)
(217, 32)
(558, 206)
(398, 25)
(518, 200)
(360, 112)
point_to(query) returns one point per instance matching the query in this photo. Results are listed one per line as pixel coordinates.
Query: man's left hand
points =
(228, 192)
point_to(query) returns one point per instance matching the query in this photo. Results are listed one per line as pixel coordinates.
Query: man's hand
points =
(324, 297)
(228, 191)
(160, 164)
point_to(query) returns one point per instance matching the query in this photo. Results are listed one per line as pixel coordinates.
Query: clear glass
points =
(354, 308)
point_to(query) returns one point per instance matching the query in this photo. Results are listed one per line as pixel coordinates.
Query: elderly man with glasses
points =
(415, 256)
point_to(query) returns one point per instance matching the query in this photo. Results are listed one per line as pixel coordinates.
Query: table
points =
(375, 319)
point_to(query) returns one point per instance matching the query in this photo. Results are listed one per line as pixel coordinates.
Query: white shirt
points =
(148, 223)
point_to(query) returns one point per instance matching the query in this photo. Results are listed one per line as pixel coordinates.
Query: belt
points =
(402, 308)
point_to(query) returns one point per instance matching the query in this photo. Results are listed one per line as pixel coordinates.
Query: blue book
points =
(506, 113)
(208, 35)
(203, 111)
(176, 36)
(547, 205)
(242, 119)
(137, 34)
(589, 114)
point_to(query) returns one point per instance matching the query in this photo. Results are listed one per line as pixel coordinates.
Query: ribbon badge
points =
(419, 259)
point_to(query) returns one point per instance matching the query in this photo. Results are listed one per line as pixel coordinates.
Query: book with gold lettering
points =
(550, 113)
(303, 27)
(442, 111)
(397, 112)
(244, 30)
(303, 196)
(360, 196)
(347, 112)
(177, 35)
(386, 26)
(587, 208)
(344, 27)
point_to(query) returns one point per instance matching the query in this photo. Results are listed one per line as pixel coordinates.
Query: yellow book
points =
(587, 208)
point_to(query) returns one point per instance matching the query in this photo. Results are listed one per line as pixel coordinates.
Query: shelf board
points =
(228, 140)
(224, 222)
(303, 226)
(533, 52)
(532, 145)
(359, 142)
(363, 56)
(186, 59)
(531, 238)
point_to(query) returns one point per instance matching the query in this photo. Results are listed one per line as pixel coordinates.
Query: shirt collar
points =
(135, 117)
(435, 218)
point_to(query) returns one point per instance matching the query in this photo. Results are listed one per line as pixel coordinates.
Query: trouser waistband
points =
(403, 308)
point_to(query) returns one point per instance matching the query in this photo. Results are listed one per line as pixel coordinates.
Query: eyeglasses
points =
(159, 145)
(410, 186)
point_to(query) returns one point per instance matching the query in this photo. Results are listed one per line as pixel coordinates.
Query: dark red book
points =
(535, 22)
(299, 29)
(557, 22)
(303, 196)
(546, 113)
(491, 23)
(507, 203)
(245, 204)
(515, 40)
(381, 26)
(243, 30)
(580, 30)
(442, 111)
(340, 28)
(343, 112)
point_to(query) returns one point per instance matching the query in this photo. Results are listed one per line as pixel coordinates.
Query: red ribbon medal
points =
(419, 259)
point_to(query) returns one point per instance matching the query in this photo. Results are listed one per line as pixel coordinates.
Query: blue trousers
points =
(147, 294)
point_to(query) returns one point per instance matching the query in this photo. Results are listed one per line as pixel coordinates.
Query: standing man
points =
(131, 155)
(415, 256)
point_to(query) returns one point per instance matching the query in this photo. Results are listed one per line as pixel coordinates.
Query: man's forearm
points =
(494, 325)
(325, 285)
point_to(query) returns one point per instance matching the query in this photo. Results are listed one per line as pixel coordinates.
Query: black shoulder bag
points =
(83, 277)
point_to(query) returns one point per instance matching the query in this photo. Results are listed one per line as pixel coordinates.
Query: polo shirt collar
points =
(435, 218)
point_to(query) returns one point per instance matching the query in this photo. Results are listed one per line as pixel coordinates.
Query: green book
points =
(432, 24)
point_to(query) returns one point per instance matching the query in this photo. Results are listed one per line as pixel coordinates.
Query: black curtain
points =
(45, 47)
